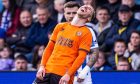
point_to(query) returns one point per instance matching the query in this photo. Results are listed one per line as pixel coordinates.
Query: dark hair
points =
(5, 46)
(123, 59)
(135, 31)
(103, 8)
(121, 41)
(105, 57)
(12, 8)
(25, 10)
(71, 4)
(36, 58)
(21, 57)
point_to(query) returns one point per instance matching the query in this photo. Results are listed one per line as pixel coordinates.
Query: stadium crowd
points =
(26, 26)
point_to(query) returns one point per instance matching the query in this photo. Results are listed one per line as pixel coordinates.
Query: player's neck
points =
(78, 21)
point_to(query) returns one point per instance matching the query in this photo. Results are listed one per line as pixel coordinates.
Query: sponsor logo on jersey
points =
(79, 33)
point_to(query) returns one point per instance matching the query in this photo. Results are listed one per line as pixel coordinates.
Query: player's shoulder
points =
(62, 24)
(86, 29)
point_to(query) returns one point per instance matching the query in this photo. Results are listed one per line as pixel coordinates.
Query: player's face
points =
(85, 12)
(120, 48)
(70, 13)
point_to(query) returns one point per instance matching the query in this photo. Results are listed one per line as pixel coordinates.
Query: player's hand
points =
(65, 79)
(82, 75)
(80, 80)
(41, 72)
(131, 47)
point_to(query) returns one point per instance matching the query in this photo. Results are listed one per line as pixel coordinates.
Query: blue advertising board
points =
(99, 77)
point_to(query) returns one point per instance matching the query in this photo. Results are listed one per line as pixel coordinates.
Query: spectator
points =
(6, 63)
(123, 64)
(104, 24)
(70, 10)
(2, 42)
(134, 7)
(46, 3)
(113, 6)
(25, 4)
(119, 50)
(58, 12)
(50, 34)
(38, 33)
(1, 6)
(21, 64)
(2, 38)
(101, 63)
(133, 50)
(9, 17)
(100, 2)
(123, 28)
(17, 40)
(137, 2)
(37, 55)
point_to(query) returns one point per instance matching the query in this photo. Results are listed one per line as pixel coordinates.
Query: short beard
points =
(83, 16)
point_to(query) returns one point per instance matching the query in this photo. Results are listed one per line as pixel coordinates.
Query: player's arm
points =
(47, 53)
(91, 62)
(93, 57)
(77, 63)
(84, 48)
(94, 50)
(48, 50)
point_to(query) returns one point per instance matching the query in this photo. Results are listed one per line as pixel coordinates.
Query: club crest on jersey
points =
(79, 33)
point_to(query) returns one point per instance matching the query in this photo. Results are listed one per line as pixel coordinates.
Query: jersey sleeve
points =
(94, 40)
(56, 31)
(86, 41)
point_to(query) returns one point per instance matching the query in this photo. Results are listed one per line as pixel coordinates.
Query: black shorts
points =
(49, 78)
